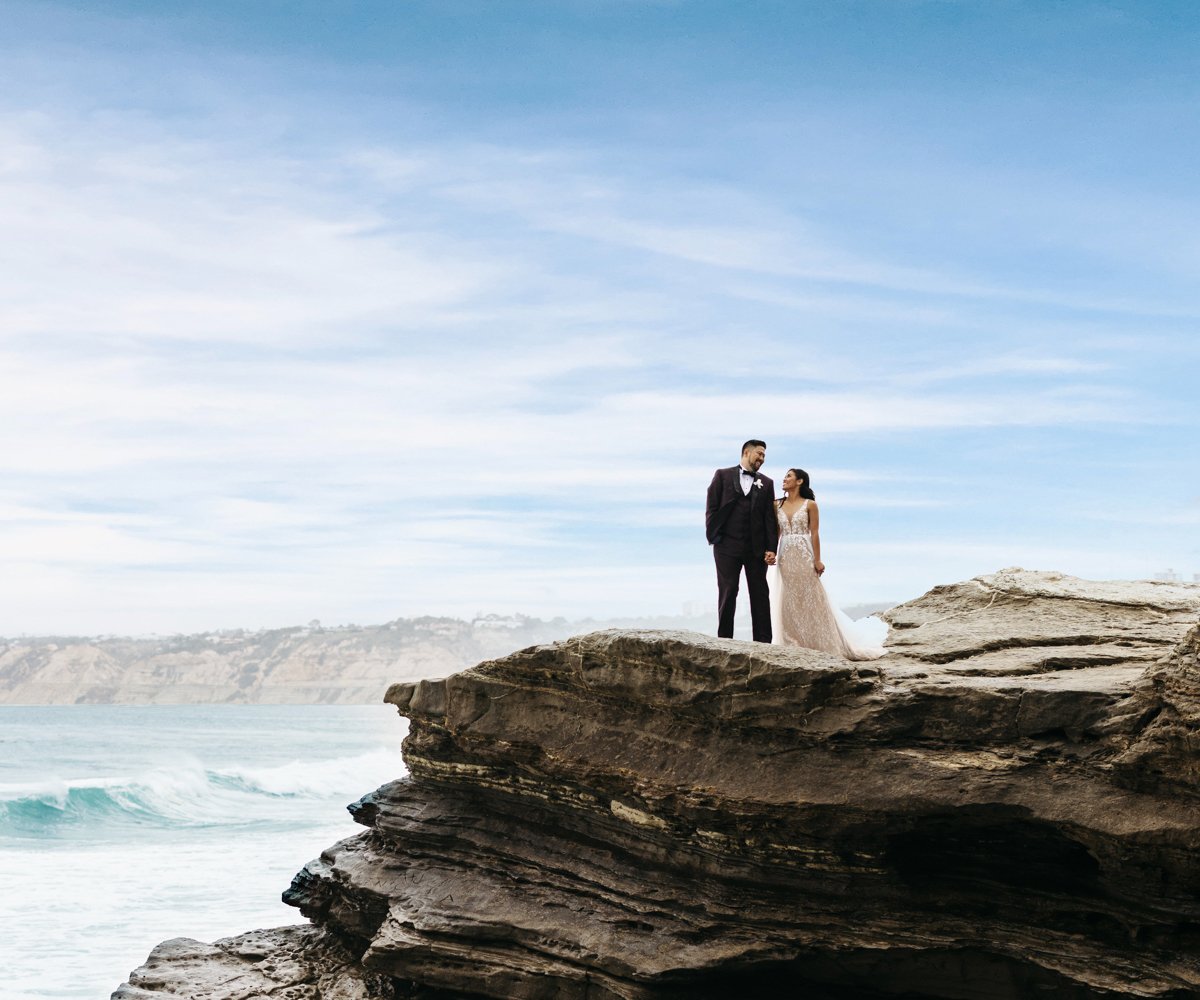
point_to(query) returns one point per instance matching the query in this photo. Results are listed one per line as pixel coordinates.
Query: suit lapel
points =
(736, 482)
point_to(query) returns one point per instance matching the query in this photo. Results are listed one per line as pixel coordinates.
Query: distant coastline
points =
(304, 664)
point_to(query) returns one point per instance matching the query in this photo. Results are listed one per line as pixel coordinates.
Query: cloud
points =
(163, 238)
(254, 382)
(1048, 366)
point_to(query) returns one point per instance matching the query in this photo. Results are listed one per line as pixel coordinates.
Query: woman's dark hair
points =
(806, 485)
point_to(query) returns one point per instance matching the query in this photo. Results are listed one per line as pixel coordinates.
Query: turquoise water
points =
(121, 826)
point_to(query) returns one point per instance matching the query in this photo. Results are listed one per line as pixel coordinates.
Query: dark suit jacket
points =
(724, 490)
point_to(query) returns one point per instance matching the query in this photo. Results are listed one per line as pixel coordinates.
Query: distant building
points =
(494, 621)
(1170, 576)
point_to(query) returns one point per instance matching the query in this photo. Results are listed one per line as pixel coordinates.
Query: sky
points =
(360, 310)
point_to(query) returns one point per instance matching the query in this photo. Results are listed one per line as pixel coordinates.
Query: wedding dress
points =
(801, 612)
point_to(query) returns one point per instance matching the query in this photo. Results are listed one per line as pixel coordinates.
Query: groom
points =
(742, 529)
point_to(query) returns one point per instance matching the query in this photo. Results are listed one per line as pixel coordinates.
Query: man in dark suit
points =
(742, 528)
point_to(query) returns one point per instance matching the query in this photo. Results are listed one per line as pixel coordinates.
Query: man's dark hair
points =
(753, 444)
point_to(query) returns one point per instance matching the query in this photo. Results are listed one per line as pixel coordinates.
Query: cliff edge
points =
(1006, 806)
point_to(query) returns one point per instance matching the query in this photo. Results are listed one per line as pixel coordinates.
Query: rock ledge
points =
(1006, 806)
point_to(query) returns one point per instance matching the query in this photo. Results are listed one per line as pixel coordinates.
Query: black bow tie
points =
(745, 473)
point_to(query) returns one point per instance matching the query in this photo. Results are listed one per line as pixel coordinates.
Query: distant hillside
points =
(350, 664)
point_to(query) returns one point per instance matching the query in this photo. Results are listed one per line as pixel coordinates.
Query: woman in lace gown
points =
(803, 613)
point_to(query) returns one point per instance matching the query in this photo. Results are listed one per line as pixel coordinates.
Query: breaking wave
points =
(189, 795)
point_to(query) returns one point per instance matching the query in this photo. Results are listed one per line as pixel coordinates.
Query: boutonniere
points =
(757, 484)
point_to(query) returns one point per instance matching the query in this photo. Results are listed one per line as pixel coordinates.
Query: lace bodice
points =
(797, 524)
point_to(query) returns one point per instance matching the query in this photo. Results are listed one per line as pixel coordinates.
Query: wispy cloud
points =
(171, 239)
(272, 363)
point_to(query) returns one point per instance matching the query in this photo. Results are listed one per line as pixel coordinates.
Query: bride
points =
(802, 612)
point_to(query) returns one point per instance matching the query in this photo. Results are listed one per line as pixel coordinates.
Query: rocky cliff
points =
(1006, 806)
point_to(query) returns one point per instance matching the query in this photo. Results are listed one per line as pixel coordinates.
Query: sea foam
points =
(185, 794)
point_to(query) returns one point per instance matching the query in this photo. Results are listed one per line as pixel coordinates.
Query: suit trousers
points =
(730, 563)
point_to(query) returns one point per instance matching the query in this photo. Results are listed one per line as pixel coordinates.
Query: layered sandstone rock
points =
(288, 963)
(1005, 806)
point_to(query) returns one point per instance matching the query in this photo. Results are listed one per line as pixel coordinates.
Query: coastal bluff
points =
(1005, 806)
(299, 665)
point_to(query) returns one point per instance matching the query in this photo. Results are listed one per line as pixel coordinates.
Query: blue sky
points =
(350, 311)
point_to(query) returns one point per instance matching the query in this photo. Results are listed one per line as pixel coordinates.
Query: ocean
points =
(122, 826)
